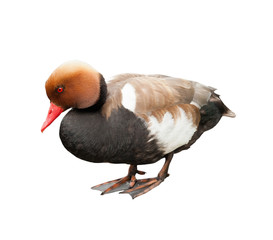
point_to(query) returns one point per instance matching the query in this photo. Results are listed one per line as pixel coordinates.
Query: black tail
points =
(211, 114)
(225, 111)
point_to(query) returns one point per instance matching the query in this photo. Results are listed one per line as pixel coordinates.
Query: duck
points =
(132, 119)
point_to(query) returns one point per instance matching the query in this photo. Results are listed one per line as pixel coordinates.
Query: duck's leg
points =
(143, 186)
(121, 183)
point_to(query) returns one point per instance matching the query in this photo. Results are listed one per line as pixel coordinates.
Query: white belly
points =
(171, 133)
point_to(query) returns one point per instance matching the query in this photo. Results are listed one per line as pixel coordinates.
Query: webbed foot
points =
(121, 183)
(143, 186)
(131, 185)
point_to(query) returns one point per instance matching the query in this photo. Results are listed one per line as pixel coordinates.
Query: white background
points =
(219, 189)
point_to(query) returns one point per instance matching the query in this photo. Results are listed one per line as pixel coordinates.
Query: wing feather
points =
(155, 93)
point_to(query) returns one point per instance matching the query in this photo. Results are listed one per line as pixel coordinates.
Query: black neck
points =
(102, 97)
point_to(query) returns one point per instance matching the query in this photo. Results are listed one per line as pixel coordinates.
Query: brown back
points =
(156, 94)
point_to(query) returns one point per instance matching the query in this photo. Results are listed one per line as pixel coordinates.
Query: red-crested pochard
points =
(134, 119)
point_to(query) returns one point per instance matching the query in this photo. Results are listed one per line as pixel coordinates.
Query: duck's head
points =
(72, 85)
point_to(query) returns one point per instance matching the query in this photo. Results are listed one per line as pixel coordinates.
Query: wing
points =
(169, 106)
(153, 94)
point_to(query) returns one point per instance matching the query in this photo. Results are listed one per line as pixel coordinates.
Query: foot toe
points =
(143, 186)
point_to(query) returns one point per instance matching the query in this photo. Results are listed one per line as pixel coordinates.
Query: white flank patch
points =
(129, 97)
(172, 134)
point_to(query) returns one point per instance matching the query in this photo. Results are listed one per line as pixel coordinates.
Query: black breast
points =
(122, 138)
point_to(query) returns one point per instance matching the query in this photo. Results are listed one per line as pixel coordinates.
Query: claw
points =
(140, 172)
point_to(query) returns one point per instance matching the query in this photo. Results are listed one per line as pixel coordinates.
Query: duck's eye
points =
(60, 89)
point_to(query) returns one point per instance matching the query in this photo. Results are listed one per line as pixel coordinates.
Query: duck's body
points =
(136, 119)
(122, 138)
